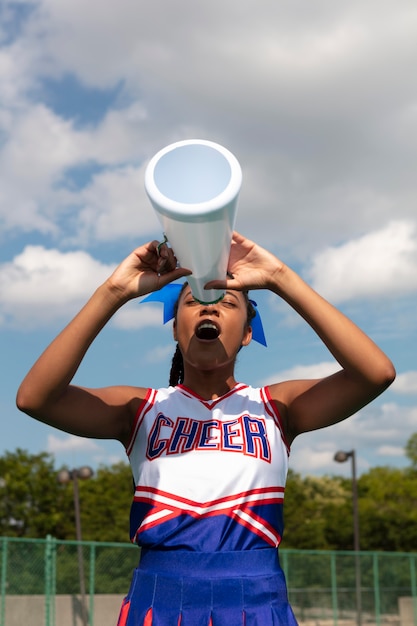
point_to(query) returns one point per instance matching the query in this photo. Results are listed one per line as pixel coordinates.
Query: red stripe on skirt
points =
(124, 613)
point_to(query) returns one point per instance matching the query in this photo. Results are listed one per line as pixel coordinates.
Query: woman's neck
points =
(209, 385)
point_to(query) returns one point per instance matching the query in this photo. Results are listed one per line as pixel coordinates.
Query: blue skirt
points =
(181, 588)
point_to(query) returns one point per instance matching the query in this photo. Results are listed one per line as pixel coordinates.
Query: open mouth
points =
(207, 331)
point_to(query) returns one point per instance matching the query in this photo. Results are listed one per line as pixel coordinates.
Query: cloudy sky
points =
(317, 100)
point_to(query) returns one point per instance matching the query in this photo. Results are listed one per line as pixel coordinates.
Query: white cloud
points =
(378, 434)
(40, 285)
(159, 354)
(381, 263)
(312, 456)
(406, 383)
(307, 104)
(114, 206)
(71, 450)
(37, 156)
(109, 459)
(396, 451)
(70, 443)
(304, 372)
(373, 432)
(156, 37)
(132, 316)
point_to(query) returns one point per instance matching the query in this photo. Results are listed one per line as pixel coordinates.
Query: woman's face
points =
(211, 335)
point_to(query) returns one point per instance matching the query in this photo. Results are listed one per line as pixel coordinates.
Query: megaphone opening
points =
(192, 174)
(193, 186)
(192, 178)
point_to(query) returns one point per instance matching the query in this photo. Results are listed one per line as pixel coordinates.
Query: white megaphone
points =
(193, 186)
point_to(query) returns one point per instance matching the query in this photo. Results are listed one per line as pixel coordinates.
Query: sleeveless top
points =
(209, 475)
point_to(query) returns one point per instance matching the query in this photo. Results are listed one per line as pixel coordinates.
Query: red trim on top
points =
(272, 409)
(238, 507)
(144, 407)
(210, 404)
(183, 502)
(272, 536)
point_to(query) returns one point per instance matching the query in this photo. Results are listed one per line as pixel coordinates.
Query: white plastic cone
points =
(193, 186)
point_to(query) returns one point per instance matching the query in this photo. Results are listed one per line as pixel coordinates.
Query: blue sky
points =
(318, 102)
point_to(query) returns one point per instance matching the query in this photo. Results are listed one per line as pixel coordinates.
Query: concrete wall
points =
(408, 611)
(31, 610)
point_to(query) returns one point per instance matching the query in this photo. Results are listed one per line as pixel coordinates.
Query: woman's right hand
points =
(46, 392)
(148, 268)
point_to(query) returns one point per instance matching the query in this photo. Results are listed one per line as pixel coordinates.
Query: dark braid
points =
(251, 311)
(176, 375)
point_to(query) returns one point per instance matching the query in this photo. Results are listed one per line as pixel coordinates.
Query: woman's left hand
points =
(250, 267)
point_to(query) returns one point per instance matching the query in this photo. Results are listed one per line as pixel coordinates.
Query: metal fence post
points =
(3, 582)
(50, 580)
(334, 586)
(92, 582)
(377, 595)
(413, 586)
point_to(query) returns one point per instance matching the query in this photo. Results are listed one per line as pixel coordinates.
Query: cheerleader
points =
(208, 453)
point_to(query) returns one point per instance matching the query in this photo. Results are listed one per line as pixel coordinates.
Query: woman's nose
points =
(209, 309)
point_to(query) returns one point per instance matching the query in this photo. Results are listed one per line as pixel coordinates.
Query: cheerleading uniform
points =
(207, 510)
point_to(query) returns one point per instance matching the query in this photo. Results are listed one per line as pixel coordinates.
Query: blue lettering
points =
(207, 438)
(184, 435)
(157, 446)
(257, 443)
(228, 435)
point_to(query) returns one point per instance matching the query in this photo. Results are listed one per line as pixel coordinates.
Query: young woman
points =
(209, 455)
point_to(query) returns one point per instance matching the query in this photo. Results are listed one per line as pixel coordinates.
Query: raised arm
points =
(46, 392)
(365, 370)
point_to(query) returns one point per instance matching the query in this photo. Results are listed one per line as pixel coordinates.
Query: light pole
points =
(342, 456)
(64, 477)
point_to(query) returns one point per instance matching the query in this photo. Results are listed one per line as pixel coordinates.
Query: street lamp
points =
(342, 456)
(64, 477)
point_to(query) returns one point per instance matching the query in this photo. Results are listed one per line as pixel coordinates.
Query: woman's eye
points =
(229, 303)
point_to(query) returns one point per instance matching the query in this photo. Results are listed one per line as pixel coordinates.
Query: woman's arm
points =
(365, 370)
(46, 392)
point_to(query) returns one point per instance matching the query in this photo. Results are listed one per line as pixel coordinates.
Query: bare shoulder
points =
(101, 413)
(126, 396)
(284, 395)
(318, 403)
(116, 408)
(286, 391)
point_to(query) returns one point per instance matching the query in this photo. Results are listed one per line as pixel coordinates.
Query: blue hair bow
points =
(169, 295)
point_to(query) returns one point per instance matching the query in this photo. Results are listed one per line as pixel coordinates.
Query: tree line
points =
(318, 510)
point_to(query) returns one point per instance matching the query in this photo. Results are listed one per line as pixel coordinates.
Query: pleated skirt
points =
(181, 588)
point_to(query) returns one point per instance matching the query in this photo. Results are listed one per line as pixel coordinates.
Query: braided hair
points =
(176, 375)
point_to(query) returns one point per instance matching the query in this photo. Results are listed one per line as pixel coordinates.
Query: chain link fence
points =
(40, 584)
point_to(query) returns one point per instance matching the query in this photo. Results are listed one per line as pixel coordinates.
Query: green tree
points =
(31, 503)
(105, 503)
(316, 510)
(411, 450)
(388, 510)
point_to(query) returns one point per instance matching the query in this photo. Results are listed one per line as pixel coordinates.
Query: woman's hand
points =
(146, 269)
(46, 392)
(250, 267)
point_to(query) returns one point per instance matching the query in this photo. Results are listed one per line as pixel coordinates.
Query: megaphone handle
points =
(158, 249)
